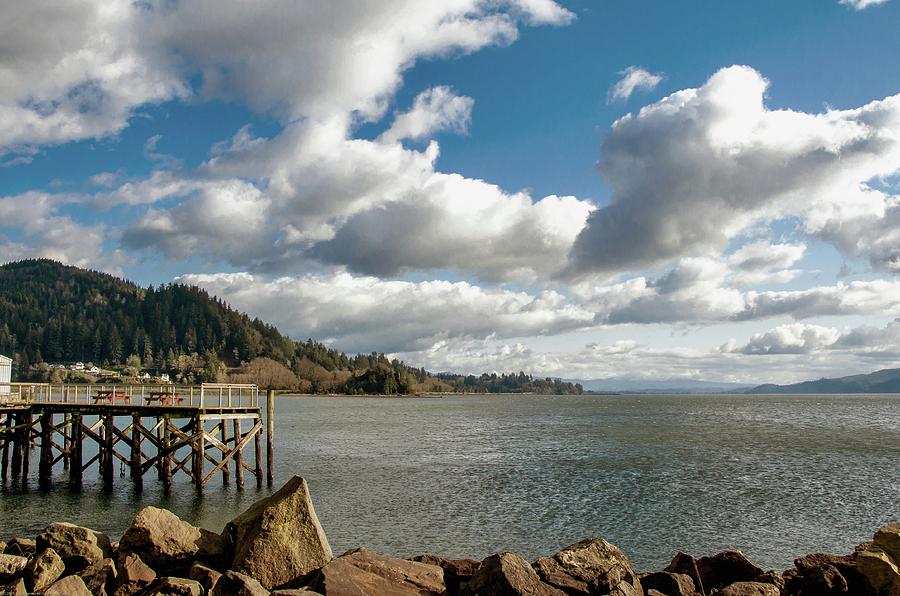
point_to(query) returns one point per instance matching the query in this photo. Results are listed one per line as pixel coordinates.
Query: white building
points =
(5, 373)
(78, 366)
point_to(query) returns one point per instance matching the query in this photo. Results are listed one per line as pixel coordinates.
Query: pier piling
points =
(52, 419)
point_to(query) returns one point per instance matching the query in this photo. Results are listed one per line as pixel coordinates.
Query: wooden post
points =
(167, 456)
(26, 445)
(109, 459)
(75, 450)
(226, 473)
(7, 439)
(66, 434)
(135, 459)
(257, 440)
(238, 456)
(19, 420)
(160, 432)
(270, 437)
(199, 448)
(45, 466)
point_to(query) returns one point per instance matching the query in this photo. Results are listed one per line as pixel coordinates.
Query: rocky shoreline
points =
(277, 547)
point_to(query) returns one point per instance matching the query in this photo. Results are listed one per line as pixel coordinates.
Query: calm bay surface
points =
(774, 476)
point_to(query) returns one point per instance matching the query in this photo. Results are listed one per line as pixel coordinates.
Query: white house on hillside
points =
(5, 373)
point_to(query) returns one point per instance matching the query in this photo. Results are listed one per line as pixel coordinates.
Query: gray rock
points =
(590, 567)
(205, 575)
(507, 574)
(101, 577)
(43, 570)
(233, 583)
(672, 584)
(134, 576)
(279, 538)
(167, 543)
(79, 547)
(174, 586)
(362, 571)
(11, 566)
(71, 585)
(748, 589)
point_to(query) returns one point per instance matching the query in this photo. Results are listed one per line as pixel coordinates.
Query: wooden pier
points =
(199, 431)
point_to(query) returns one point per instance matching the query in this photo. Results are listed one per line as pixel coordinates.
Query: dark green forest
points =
(53, 313)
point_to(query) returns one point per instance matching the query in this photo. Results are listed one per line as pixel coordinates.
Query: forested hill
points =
(53, 313)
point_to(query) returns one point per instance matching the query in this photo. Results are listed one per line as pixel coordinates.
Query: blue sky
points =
(458, 184)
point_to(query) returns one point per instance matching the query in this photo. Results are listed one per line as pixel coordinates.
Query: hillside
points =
(53, 313)
(882, 381)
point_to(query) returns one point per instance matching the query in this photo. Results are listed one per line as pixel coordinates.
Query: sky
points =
(575, 188)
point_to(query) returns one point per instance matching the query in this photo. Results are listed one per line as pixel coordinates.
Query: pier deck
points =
(168, 428)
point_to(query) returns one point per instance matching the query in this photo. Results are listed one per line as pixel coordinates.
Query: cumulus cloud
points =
(75, 70)
(365, 313)
(862, 4)
(693, 171)
(80, 70)
(634, 78)
(866, 341)
(433, 110)
(376, 207)
(44, 232)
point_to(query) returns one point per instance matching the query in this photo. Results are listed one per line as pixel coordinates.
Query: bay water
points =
(467, 476)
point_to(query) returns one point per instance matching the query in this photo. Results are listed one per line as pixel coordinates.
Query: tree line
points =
(52, 313)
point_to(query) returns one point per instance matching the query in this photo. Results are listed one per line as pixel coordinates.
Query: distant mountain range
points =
(882, 381)
(638, 385)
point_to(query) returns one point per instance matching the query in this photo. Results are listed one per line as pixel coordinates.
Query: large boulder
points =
(134, 576)
(79, 547)
(233, 583)
(14, 588)
(748, 589)
(167, 543)
(173, 586)
(821, 573)
(11, 566)
(590, 567)
(23, 547)
(880, 570)
(672, 584)
(362, 571)
(456, 571)
(716, 571)
(71, 585)
(43, 570)
(101, 577)
(507, 574)
(205, 575)
(888, 539)
(279, 538)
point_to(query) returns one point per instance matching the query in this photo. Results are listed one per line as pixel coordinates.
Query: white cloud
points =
(46, 233)
(376, 207)
(75, 70)
(693, 171)
(862, 4)
(80, 70)
(865, 342)
(433, 110)
(365, 313)
(634, 78)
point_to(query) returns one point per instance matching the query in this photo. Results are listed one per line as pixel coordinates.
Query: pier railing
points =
(207, 395)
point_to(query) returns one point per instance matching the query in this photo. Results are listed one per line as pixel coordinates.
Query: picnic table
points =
(164, 398)
(110, 395)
